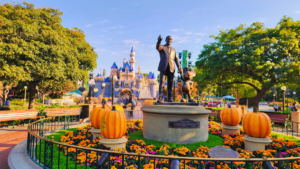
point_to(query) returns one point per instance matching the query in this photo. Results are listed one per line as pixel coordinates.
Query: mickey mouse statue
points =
(187, 85)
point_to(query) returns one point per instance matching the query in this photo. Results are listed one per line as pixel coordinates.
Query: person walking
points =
(7, 103)
(276, 107)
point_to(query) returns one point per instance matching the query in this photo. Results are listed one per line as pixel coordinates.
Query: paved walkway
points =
(9, 138)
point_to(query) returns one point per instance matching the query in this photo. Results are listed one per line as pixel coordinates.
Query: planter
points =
(296, 120)
(230, 129)
(254, 143)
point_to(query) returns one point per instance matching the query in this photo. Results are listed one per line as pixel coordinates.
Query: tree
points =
(103, 74)
(257, 56)
(145, 74)
(34, 46)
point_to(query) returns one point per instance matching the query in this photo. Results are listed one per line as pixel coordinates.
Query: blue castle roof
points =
(126, 65)
(98, 75)
(151, 75)
(114, 66)
(132, 49)
(107, 79)
(139, 76)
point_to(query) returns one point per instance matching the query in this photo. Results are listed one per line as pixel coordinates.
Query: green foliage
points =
(291, 138)
(35, 46)
(17, 102)
(14, 108)
(63, 162)
(253, 56)
(212, 141)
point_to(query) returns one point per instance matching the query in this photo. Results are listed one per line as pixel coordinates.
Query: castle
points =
(128, 81)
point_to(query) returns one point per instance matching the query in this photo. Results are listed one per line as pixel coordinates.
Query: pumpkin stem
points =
(114, 108)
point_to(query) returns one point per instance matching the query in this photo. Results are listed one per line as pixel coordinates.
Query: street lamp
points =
(174, 80)
(114, 77)
(283, 88)
(103, 100)
(91, 90)
(274, 96)
(25, 87)
(294, 93)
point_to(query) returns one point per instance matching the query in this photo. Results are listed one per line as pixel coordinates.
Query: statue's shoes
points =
(171, 100)
(158, 101)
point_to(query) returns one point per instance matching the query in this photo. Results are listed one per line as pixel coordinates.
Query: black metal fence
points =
(50, 154)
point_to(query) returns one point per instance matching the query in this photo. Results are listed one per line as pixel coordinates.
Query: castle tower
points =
(132, 59)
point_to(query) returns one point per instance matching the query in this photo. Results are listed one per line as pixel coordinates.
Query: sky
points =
(112, 27)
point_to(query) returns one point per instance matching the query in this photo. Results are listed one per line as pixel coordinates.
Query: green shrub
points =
(17, 102)
(14, 108)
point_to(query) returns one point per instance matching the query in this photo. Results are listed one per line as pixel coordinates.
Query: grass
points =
(58, 157)
(212, 141)
(291, 138)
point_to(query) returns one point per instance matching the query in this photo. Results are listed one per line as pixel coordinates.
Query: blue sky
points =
(112, 27)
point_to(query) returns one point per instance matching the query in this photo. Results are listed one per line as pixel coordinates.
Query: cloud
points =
(178, 39)
(121, 27)
(297, 12)
(218, 26)
(104, 21)
(115, 53)
(174, 30)
(189, 33)
(113, 9)
(197, 40)
(131, 42)
(89, 25)
(199, 33)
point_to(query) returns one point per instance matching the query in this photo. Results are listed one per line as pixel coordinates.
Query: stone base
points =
(254, 143)
(96, 133)
(166, 123)
(114, 143)
(296, 119)
(230, 129)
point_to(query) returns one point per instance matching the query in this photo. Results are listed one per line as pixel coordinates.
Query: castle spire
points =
(139, 72)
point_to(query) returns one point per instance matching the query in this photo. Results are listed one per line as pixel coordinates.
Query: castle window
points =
(126, 77)
(126, 70)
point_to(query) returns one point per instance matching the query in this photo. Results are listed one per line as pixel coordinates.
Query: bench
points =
(278, 118)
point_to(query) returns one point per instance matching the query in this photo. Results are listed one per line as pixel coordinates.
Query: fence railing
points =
(46, 153)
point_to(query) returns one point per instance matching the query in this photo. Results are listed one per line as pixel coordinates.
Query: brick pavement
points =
(7, 142)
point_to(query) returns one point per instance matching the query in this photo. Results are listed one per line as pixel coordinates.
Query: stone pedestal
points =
(296, 120)
(114, 143)
(96, 133)
(230, 129)
(175, 123)
(254, 143)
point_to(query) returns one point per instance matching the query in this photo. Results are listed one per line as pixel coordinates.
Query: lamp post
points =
(25, 87)
(114, 77)
(91, 90)
(283, 88)
(174, 79)
(103, 100)
(274, 96)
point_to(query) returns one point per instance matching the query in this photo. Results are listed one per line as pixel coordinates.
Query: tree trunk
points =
(43, 95)
(254, 101)
(32, 88)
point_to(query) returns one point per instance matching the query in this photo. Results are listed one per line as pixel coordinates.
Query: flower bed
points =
(279, 148)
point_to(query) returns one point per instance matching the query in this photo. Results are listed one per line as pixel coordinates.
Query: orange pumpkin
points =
(113, 124)
(257, 124)
(149, 102)
(118, 107)
(231, 116)
(96, 116)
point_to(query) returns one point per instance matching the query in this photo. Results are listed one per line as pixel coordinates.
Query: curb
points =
(18, 158)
